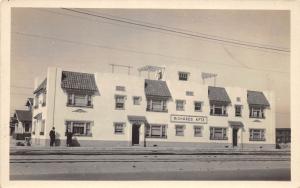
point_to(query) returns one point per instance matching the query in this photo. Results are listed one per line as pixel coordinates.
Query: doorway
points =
(234, 136)
(135, 134)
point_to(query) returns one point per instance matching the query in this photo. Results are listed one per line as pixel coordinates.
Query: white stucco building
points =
(168, 106)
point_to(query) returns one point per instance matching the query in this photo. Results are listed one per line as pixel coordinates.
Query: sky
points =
(43, 37)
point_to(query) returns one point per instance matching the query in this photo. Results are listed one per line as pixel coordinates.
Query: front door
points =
(234, 136)
(135, 134)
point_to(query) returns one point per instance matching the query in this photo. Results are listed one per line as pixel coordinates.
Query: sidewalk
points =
(61, 150)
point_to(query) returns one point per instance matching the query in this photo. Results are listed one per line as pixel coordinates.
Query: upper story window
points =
(180, 105)
(159, 75)
(80, 100)
(179, 130)
(218, 110)
(137, 100)
(120, 102)
(238, 99)
(198, 106)
(189, 93)
(238, 110)
(218, 133)
(36, 101)
(183, 76)
(40, 98)
(257, 135)
(44, 99)
(79, 128)
(157, 105)
(120, 88)
(256, 112)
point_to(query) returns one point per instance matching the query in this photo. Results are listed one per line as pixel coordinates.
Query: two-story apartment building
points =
(169, 106)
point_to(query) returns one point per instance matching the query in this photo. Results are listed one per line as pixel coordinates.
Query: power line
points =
(110, 23)
(21, 87)
(185, 30)
(21, 94)
(178, 32)
(134, 51)
(163, 32)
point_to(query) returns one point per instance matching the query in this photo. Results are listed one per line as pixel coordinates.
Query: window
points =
(218, 133)
(157, 105)
(120, 102)
(238, 110)
(198, 106)
(189, 93)
(27, 127)
(36, 101)
(79, 128)
(119, 128)
(180, 105)
(257, 135)
(42, 132)
(34, 126)
(256, 112)
(159, 75)
(183, 76)
(238, 99)
(120, 88)
(179, 129)
(137, 100)
(81, 100)
(218, 110)
(156, 131)
(197, 131)
(44, 99)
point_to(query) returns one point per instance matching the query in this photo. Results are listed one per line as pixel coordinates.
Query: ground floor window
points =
(27, 127)
(42, 132)
(257, 135)
(198, 131)
(79, 128)
(156, 131)
(179, 129)
(218, 133)
(119, 128)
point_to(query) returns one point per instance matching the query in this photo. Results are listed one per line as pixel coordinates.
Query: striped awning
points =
(137, 119)
(218, 95)
(257, 98)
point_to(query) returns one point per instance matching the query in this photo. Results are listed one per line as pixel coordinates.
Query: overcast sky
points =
(60, 38)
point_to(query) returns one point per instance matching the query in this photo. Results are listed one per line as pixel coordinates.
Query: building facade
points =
(169, 106)
(22, 121)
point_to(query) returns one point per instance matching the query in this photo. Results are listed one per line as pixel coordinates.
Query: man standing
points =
(52, 136)
(69, 138)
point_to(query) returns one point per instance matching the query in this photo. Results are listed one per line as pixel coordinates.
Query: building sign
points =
(188, 119)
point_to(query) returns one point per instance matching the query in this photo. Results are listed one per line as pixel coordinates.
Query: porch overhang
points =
(137, 119)
(38, 116)
(236, 124)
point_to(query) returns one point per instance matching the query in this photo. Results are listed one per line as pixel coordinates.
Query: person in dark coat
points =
(52, 136)
(69, 138)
